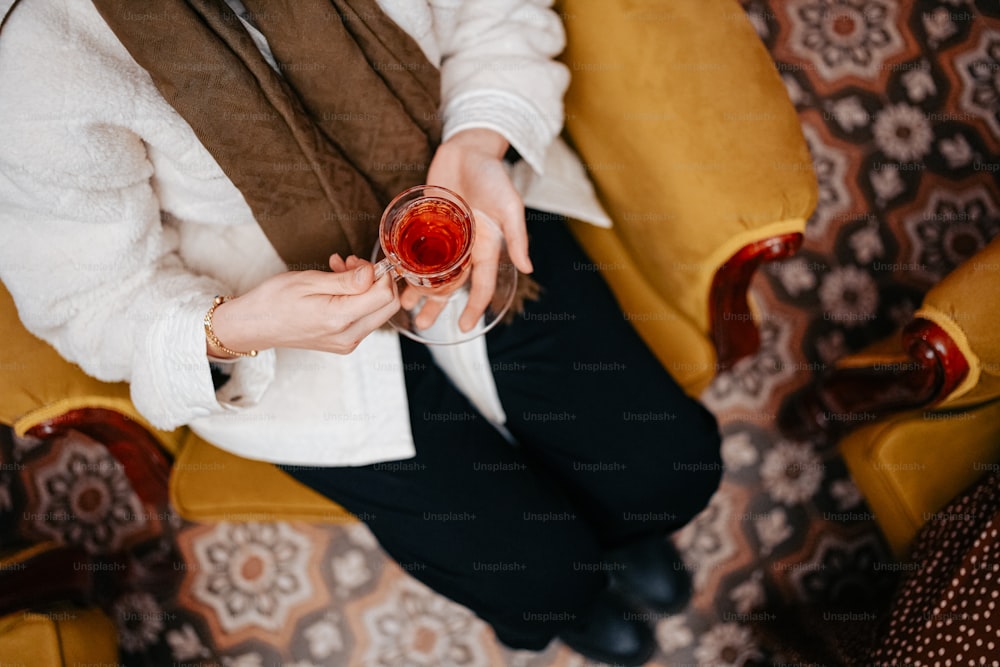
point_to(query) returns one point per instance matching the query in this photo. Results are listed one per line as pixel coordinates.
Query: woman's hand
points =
(471, 164)
(315, 310)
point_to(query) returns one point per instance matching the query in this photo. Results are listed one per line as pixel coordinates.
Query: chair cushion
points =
(676, 341)
(910, 465)
(688, 135)
(62, 635)
(210, 484)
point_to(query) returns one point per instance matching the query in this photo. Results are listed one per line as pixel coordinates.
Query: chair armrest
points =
(949, 359)
(868, 386)
(966, 305)
(130, 443)
(708, 158)
(732, 328)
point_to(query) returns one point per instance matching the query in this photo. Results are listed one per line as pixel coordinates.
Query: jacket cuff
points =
(524, 126)
(171, 380)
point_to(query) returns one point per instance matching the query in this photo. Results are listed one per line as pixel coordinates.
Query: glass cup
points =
(425, 240)
(426, 235)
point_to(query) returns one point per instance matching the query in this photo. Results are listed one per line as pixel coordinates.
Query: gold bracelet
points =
(210, 333)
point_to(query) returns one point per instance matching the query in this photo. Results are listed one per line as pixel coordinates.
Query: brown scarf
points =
(318, 151)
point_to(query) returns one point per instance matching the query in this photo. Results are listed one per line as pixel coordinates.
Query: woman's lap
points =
(609, 450)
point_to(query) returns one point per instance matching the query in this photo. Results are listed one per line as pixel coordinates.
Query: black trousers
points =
(609, 450)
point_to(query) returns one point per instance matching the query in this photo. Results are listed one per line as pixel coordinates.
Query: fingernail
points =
(359, 275)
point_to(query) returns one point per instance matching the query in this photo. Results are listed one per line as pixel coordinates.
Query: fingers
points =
(351, 291)
(482, 285)
(409, 298)
(337, 263)
(363, 326)
(515, 231)
(344, 311)
(430, 310)
(319, 310)
(350, 276)
(483, 282)
(345, 340)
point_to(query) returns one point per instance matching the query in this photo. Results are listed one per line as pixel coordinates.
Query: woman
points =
(151, 161)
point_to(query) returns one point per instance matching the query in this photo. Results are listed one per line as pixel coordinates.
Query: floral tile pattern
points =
(405, 623)
(79, 494)
(948, 227)
(899, 102)
(253, 579)
(980, 89)
(846, 37)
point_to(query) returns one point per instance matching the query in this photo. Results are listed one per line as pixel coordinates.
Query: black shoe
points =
(612, 631)
(651, 573)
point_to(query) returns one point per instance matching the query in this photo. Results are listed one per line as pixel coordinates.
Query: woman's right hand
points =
(315, 310)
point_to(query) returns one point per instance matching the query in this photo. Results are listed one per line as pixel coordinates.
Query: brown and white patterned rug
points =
(900, 103)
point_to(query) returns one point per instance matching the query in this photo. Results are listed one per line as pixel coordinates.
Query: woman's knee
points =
(696, 468)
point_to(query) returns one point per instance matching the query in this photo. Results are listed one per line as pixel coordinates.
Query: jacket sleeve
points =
(498, 72)
(83, 251)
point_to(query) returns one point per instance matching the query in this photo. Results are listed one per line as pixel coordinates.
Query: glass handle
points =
(383, 267)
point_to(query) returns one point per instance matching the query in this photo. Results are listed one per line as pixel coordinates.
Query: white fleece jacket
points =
(117, 227)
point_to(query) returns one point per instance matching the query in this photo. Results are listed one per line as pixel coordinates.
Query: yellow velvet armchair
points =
(696, 152)
(927, 401)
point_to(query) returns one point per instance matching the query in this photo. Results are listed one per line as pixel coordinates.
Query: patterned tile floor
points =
(900, 103)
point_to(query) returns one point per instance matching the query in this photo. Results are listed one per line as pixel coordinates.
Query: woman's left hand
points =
(470, 163)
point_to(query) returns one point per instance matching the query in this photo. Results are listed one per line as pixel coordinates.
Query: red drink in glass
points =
(426, 234)
(432, 239)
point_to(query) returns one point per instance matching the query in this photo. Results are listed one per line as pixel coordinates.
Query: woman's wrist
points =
(481, 139)
(224, 339)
